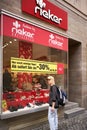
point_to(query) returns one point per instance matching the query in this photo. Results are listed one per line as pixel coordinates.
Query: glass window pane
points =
(25, 90)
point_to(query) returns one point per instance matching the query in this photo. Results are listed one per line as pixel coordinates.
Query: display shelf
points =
(26, 110)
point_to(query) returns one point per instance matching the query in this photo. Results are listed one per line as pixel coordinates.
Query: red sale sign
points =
(24, 31)
(60, 69)
(46, 11)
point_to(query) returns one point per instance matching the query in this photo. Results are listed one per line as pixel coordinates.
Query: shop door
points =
(75, 72)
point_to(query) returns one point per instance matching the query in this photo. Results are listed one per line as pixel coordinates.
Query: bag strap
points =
(58, 93)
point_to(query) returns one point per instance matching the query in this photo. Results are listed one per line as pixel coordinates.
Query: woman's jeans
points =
(53, 119)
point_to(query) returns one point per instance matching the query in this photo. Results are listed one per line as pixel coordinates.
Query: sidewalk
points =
(76, 122)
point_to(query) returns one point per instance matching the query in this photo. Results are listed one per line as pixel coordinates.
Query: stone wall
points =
(32, 120)
(75, 72)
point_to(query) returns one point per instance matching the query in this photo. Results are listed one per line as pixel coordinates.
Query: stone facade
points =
(77, 79)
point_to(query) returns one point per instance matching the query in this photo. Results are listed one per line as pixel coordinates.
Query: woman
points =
(53, 104)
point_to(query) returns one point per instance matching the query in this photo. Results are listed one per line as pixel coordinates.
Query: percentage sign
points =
(47, 68)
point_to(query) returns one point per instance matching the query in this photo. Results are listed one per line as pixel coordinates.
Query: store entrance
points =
(75, 72)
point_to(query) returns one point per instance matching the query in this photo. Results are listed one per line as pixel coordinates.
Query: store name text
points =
(16, 30)
(46, 13)
(54, 41)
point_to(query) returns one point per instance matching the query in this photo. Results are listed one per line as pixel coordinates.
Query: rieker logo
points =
(46, 13)
(54, 41)
(17, 30)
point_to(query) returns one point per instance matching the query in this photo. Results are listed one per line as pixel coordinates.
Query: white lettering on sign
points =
(18, 30)
(46, 13)
(54, 41)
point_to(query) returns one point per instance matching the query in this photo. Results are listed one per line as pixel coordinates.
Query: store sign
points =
(24, 65)
(21, 31)
(40, 7)
(24, 31)
(46, 11)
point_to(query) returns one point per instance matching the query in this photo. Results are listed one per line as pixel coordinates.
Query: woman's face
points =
(49, 81)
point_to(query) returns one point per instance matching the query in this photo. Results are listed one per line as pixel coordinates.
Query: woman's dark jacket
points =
(53, 96)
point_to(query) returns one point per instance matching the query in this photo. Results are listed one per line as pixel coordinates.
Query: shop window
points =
(27, 90)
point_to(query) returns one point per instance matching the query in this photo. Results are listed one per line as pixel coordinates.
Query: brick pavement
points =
(76, 123)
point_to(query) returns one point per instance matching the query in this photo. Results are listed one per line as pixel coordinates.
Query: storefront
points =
(29, 54)
(40, 38)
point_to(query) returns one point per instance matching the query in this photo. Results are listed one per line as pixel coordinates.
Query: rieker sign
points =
(30, 33)
(18, 30)
(46, 11)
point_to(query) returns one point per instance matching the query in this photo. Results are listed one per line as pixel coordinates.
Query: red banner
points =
(24, 31)
(45, 10)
